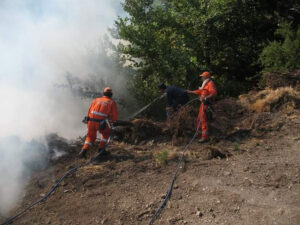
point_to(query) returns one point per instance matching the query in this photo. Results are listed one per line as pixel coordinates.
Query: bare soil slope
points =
(251, 175)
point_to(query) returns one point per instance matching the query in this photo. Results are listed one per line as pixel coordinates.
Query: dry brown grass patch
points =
(271, 100)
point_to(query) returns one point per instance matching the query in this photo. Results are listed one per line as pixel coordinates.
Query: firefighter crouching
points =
(100, 110)
(207, 92)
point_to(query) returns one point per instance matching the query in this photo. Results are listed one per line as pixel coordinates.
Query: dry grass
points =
(275, 80)
(269, 100)
(182, 124)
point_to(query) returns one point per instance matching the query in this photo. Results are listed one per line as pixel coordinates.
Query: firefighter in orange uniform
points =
(207, 92)
(101, 109)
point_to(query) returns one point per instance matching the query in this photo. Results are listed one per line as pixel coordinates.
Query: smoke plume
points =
(46, 49)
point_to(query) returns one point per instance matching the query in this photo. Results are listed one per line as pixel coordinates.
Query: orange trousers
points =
(93, 128)
(202, 123)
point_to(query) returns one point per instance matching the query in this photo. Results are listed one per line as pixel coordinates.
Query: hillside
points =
(249, 173)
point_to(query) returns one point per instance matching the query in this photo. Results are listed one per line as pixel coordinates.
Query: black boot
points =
(203, 140)
(101, 156)
(82, 153)
(104, 152)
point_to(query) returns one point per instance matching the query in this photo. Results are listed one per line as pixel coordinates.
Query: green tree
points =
(173, 41)
(282, 55)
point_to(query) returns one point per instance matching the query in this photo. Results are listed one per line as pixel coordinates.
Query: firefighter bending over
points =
(207, 92)
(101, 109)
(176, 97)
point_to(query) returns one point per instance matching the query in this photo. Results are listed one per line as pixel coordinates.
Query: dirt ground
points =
(249, 177)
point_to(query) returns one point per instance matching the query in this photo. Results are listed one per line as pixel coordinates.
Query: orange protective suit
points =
(101, 109)
(202, 123)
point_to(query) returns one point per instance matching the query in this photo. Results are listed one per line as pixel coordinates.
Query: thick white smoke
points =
(40, 42)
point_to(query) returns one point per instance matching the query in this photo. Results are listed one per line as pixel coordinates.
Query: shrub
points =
(283, 55)
(162, 157)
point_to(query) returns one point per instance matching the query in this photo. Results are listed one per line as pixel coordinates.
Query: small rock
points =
(281, 211)
(149, 205)
(246, 169)
(163, 196)
(247, 181)
(143, 213)
(227, 173)
(237, 209)
(150, 143)
(175, 219)
(199, 214)
(63, 183)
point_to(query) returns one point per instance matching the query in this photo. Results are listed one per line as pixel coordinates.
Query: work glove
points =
(85, 119)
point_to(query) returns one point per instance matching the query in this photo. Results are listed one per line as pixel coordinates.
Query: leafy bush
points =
(173, 41)
(283, 55)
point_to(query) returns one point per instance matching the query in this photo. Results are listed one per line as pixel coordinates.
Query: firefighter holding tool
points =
(101, 110)
(207, 92)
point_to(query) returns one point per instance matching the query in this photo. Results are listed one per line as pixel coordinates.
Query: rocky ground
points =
(251, 175)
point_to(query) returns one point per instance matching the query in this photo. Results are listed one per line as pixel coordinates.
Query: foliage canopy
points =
(280, 56)
(173, 41)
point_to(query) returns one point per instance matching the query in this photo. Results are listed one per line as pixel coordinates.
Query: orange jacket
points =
(208, 89)
(102, 108)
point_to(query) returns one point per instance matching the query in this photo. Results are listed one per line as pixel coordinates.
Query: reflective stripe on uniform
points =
(104, 140)
(99, 113)
(88, 143)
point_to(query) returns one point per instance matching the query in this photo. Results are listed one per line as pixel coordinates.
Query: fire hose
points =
(145, 107)
(148, 105)
(169, 191)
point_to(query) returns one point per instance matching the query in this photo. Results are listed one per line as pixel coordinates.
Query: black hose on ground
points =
(168, 194)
